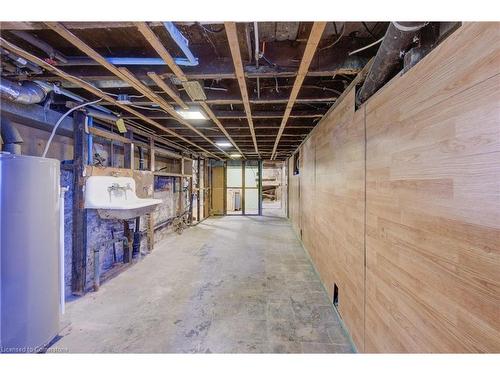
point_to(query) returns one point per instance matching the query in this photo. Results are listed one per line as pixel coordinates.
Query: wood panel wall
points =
(400, 203)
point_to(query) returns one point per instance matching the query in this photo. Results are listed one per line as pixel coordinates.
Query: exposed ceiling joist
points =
(214, 118)
(169, 89)
(312, 44)
(95, 91)
(125, 75)
(234, 46)
(228, 115)
(225, 70)
(153, 40)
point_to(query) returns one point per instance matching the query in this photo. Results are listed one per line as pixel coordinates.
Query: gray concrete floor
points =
(273, 209)
(227, 285)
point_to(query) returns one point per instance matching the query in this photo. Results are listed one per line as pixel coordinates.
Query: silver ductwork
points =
(11, 138)
(25, 93)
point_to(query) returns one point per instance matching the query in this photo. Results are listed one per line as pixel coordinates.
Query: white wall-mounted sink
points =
(115, 198)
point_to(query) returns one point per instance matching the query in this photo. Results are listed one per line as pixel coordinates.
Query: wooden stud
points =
(79, 257)
(151, 220)
(108, 135)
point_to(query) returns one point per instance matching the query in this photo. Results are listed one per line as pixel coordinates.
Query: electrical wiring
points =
(366, 47)
(148, 108)
(336, 40)
(59, 123)
(117, 95)
(209, 30)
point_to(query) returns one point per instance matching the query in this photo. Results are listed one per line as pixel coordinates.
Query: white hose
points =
(366, 47)
(59, 123)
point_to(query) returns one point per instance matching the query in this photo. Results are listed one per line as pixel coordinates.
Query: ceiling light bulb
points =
(223, 144)
(191, 114)
(235, 156)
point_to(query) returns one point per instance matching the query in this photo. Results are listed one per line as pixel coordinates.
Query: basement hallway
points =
(227, 285)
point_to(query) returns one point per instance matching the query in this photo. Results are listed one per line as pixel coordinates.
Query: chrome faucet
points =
(117, 187)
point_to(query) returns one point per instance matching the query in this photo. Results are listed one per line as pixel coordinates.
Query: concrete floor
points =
(228, 285)
(273, 209)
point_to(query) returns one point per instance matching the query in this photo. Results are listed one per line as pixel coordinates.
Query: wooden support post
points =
(127, 250)
(260, 172)
(207, 182)
(79, 261)
(190, 199)
(198, 175)
(243, 208)
(128, 152)
(181, 189)
(151, 220)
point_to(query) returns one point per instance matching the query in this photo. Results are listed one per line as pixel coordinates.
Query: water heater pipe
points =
(61, 246)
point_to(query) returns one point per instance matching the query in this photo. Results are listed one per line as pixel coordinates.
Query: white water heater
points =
(29, 252)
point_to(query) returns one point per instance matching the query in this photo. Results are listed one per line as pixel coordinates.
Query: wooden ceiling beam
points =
(238, 101)
(312, 44)
(234, 46)
(214, 118)
(158, 46)
(95, 91)
(155, 42)
(228, 115)
(139, 86)
(125, 75)
(169, 89)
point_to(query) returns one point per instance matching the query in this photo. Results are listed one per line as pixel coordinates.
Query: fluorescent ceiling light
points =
(235, 156)
(191, 114)
(223, 144)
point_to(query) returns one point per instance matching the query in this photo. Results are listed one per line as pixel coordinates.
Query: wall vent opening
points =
(335, 296)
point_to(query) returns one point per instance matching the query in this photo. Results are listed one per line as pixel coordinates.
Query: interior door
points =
(218, 190)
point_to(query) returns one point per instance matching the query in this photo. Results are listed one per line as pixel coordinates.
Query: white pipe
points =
(61, 247)
(257, 52)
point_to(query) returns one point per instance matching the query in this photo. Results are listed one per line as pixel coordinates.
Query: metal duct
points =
(26, 93)
(11, 138)
(181, 41)
(397, 39)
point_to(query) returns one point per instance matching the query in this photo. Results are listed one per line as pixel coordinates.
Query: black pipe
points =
(398, 38)
(136, 245)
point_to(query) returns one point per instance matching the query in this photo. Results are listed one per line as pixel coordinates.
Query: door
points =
(218, 190)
